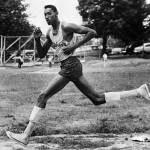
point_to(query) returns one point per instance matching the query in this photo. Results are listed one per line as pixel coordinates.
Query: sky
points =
(66, 9)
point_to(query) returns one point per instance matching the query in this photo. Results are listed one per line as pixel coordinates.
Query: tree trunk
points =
(104, 46)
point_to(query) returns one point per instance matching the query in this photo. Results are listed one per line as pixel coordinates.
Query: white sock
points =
(112, 96)
(117, 96)
(36, 114)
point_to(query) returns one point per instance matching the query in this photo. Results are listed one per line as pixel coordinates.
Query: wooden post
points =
(4, 48)
(34, 51)
(1, 49)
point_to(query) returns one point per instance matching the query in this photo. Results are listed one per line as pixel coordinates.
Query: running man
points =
(61, 34)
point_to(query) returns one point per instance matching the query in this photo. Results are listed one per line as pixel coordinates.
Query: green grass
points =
(69, 111)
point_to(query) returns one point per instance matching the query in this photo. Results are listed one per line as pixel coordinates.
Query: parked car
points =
(129, 49)
(117, 50)
(143, 48)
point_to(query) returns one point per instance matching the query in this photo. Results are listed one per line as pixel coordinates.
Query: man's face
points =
(50, 16)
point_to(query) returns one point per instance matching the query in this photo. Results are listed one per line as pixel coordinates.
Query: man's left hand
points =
(68, 49)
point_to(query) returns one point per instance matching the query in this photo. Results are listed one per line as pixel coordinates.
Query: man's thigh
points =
(84, 86)
(57, 83)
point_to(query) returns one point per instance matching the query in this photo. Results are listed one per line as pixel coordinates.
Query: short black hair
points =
(52, 7)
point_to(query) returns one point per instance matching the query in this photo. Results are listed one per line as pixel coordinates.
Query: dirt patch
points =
(78, 142)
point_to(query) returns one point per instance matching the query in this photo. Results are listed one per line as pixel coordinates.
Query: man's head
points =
(51, 14)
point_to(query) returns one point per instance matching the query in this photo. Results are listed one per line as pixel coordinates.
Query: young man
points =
(61, 34)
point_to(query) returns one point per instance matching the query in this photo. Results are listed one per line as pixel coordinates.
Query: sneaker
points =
(17, 138)
(143, 90)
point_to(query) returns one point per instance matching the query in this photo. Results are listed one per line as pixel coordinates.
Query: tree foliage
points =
(13, 19)
(123, 19)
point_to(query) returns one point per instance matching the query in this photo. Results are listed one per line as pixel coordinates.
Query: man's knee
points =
(99, 100)
(41, 101)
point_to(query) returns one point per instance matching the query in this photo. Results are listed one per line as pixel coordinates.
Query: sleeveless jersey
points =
(59, 43)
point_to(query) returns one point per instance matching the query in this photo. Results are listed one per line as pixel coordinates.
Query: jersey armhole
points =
(48, 33)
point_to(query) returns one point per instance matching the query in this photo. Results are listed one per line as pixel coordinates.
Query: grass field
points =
(69, 111)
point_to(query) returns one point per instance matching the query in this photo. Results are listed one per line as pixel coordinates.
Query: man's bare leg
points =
(55, 85)
(97, 99)
(142, 91)
(84, 86)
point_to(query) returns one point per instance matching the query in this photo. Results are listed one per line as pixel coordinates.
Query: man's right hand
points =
(37, 33)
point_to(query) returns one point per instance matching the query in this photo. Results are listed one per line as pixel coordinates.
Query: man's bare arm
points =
(42, 50)
(73, 28)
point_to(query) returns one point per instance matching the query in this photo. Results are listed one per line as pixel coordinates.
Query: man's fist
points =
(37, 33)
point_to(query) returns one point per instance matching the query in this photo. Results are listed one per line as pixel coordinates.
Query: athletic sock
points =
(112, 96)
(117, 96)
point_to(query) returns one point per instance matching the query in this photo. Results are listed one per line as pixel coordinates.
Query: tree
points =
(13, 19)
(121, 19)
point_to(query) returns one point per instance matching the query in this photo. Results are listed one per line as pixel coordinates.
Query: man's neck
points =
(56, 25)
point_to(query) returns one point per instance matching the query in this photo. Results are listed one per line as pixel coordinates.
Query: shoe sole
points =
(8, 134)
(147, 90)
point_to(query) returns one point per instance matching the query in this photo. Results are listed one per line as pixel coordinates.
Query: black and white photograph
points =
(75, 75)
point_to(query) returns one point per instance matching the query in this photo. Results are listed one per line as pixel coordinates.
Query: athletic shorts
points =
(71, 68)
